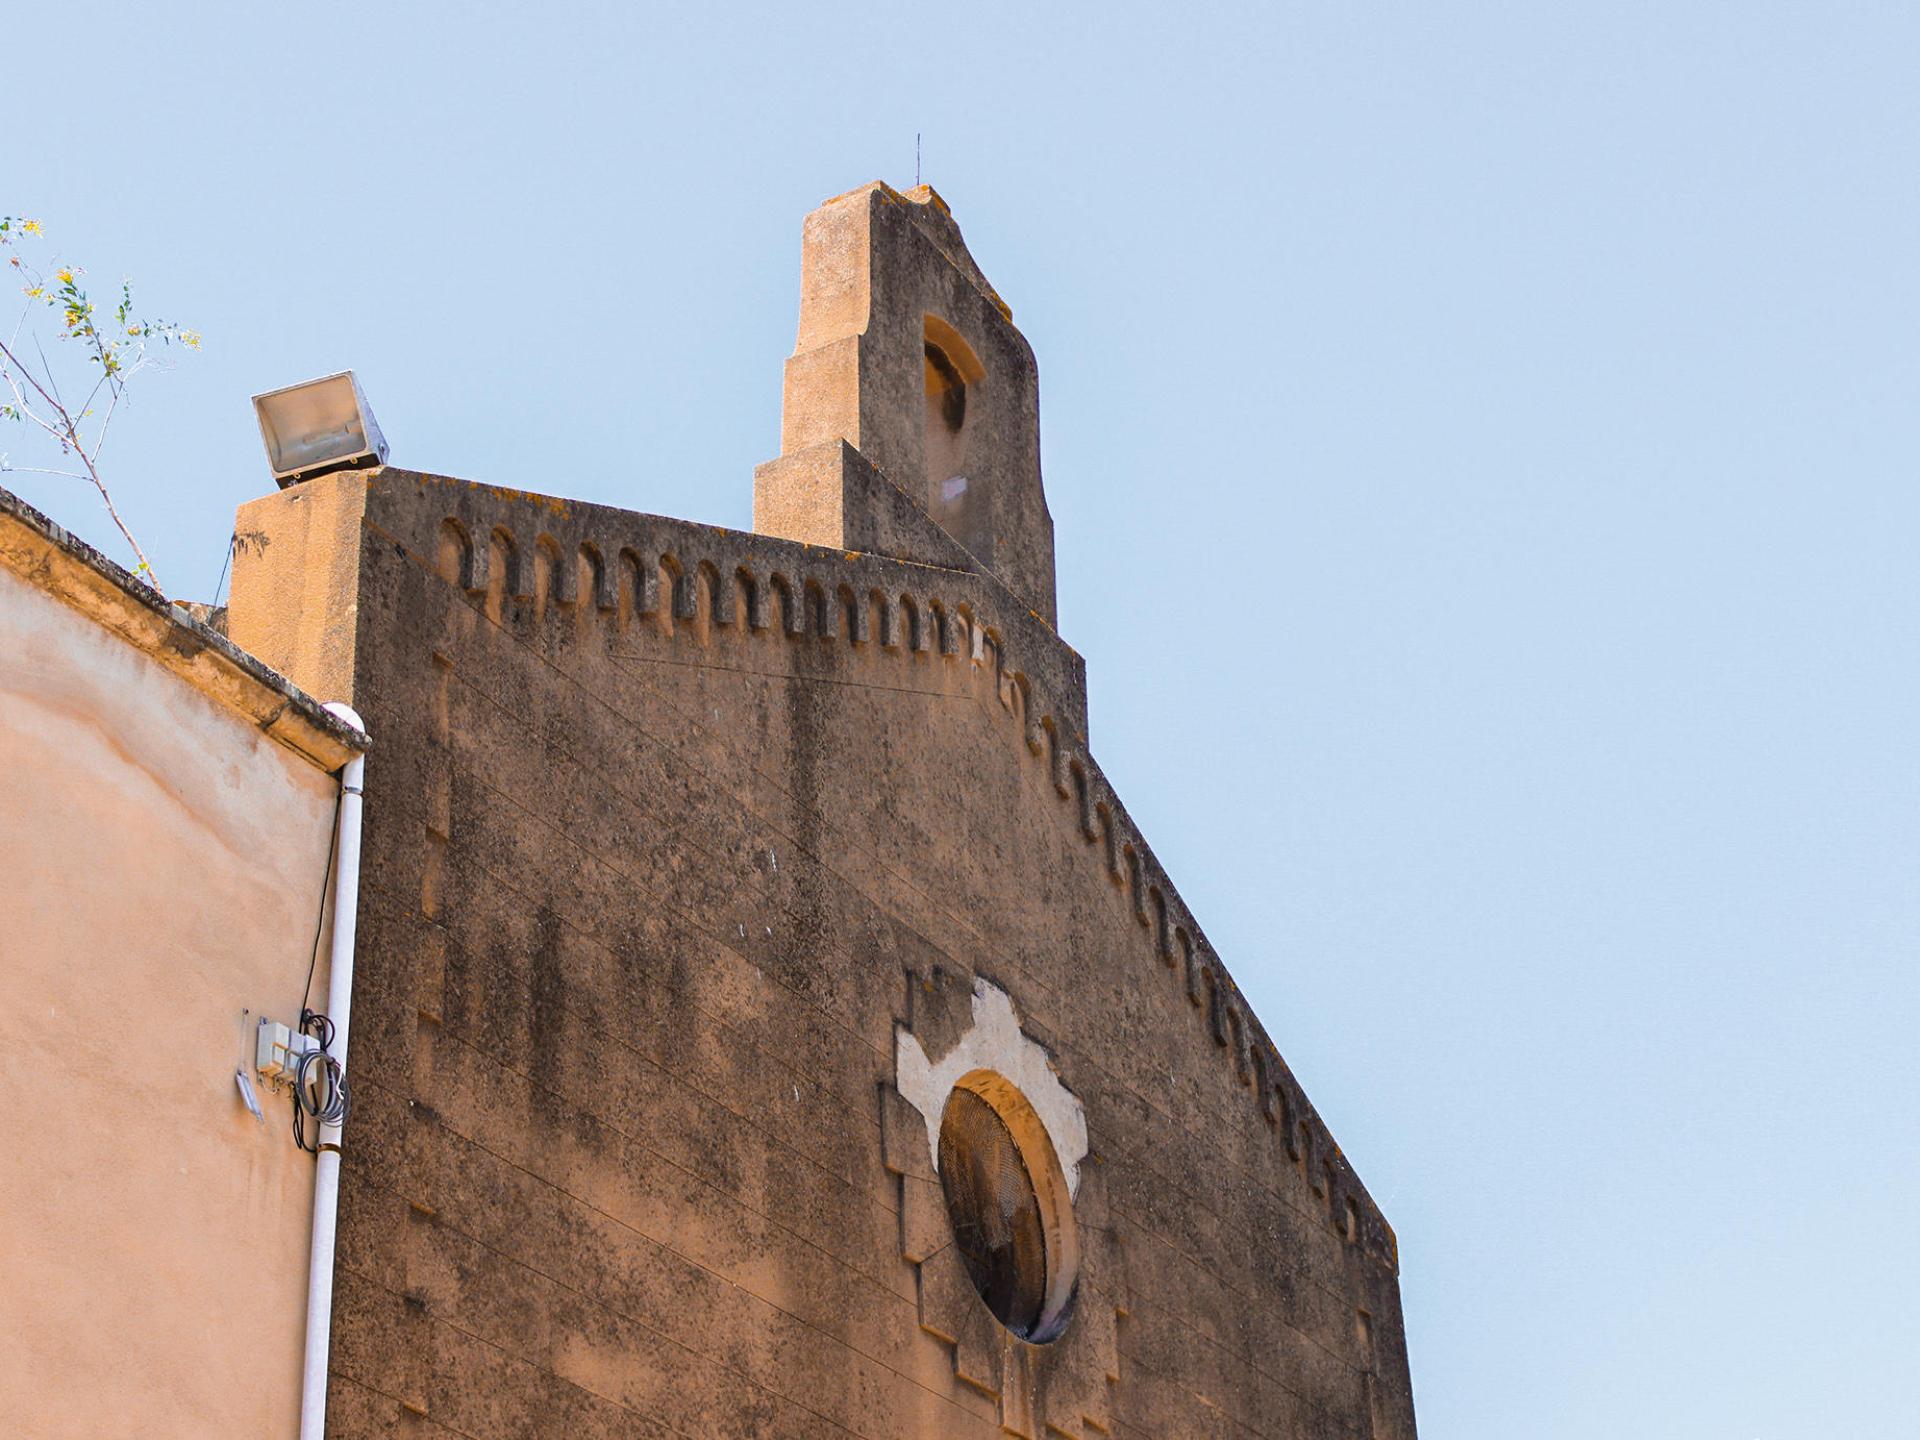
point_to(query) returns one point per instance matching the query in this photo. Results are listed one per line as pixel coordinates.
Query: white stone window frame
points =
(1013, 1073)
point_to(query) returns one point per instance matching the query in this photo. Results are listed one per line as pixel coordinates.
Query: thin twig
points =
(46, 369)
(101, 438)
(26, 409)
(72, 436)
(12, 469)
(87, 404)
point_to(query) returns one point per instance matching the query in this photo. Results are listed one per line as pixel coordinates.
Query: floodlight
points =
(318, 426)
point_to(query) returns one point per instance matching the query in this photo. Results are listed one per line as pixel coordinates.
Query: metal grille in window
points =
(997, 1222)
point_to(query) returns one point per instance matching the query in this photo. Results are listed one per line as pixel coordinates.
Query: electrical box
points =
(278, 1052)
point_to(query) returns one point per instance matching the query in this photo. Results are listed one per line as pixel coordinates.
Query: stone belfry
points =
(911, 418)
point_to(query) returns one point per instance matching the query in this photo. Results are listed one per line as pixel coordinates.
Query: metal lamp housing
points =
(321, 425)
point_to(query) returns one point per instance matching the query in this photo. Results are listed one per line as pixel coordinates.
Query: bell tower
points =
(911, 417)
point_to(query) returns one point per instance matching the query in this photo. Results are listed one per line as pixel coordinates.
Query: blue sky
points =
(1481, 440)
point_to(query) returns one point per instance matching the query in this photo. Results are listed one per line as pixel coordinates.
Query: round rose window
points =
(1007, 1198)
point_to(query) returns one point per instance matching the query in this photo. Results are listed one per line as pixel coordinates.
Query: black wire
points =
(308, 1103)
(338, 1102)
(313, 1023)
(232, 540)
(326, 884)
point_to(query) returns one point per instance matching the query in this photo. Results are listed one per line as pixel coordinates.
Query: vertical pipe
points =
(326, 1175)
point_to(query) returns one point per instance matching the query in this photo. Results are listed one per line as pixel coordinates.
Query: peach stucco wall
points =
(160, 870)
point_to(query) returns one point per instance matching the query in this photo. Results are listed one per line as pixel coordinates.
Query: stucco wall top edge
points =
(72, 571)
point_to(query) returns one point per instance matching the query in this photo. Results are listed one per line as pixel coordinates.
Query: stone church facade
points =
(768, 1020)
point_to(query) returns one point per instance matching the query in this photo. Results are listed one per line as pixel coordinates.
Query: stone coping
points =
(72, 571)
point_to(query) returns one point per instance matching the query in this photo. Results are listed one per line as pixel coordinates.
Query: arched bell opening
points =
(953, 376)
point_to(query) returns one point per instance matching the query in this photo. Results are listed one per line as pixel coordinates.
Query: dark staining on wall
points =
(646, 1093)
(828, 611)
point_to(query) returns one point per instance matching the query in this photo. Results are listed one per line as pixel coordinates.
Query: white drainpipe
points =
(326, 1174)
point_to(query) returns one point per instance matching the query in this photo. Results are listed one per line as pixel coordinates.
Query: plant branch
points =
(40, 470)
(72, 437)
(46, 369)
(106, 420)
(87, 404)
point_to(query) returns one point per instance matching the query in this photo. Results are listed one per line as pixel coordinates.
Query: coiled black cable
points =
(320, 1093)
(333, 1101)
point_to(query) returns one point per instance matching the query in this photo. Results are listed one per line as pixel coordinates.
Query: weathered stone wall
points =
(669, 829)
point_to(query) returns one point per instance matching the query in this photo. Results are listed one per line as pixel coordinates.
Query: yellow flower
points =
(31, 227)
(34, 292)
(63, 275)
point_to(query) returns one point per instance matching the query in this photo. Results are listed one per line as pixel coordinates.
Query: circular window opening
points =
(1008, 1201)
